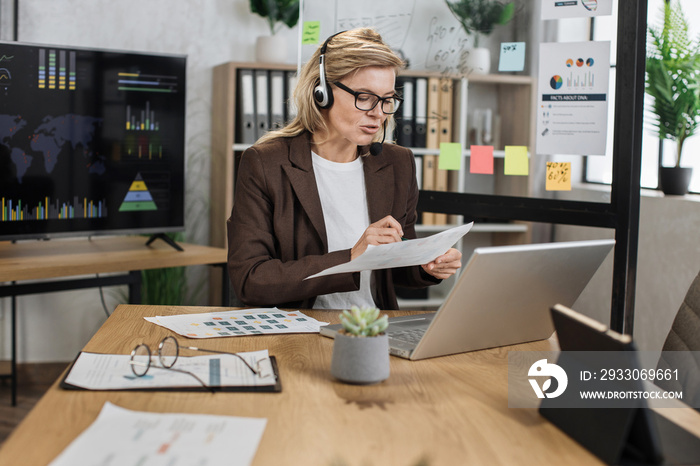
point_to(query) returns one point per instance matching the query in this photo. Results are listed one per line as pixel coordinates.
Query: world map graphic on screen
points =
(52, 139)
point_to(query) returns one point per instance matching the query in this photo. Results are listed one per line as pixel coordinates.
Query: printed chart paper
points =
(94, 371)
(124, 437)
(556, 9)
(573, 98)
(401, 254)
(238, 322)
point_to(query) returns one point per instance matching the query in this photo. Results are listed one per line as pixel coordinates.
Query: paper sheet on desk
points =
(122, 436)
(401, 254)
(93, 371)
(238, 322)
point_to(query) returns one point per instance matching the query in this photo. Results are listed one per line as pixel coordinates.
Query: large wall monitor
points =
(91, 141)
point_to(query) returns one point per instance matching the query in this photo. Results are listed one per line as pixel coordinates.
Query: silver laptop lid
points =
(503, 295)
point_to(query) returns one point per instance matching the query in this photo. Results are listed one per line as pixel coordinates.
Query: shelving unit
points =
(223, 122)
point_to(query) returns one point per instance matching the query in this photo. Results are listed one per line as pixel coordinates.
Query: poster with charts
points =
(572, 107)
(556, 9)
(238, 323)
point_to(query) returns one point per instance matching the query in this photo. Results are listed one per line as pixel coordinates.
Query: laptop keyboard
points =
(411, 336)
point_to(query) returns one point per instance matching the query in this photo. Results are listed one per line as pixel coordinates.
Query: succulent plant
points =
(363, 321)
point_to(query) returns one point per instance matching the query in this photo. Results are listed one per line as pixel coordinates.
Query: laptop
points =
(622, 435)
(502, 297)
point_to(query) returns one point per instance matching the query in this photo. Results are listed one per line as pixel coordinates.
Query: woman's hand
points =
(386, 230)
(444, 266)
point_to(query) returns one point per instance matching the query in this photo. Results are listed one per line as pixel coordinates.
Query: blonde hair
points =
(346, 53)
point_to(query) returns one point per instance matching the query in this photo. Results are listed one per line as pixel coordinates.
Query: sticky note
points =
(516, 162)
(450, 156)
(481, 160)
(558, 176)
(310, 32)
(512, 56)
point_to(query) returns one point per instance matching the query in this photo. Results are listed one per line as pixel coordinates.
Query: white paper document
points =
(573, 88)
(557, 9)
(401, 254)
(238, 322)
(94, 371)
(123, 437)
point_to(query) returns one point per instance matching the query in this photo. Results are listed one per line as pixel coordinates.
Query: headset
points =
(323, 95)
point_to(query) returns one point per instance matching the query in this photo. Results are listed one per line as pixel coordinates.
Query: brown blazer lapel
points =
(379, 182)
(301, 177)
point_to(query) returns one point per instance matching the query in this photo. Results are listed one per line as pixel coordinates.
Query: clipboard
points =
(276, 388)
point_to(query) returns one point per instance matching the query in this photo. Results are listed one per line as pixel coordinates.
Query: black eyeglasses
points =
(366, 101)
(168, 352)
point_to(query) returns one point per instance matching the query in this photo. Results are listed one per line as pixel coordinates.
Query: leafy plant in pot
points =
(278, 13)
(479, 17)
(672, 80)
(361, 348)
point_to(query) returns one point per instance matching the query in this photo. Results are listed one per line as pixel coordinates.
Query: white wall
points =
(54, 327)
(668, 261)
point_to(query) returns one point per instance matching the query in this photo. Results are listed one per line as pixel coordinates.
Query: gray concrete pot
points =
(360, 360)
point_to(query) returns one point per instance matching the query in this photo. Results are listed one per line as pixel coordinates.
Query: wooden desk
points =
(31, 260)
(444, 411)
(39, 260)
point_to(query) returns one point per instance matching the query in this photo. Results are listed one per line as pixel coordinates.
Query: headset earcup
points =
(323, 96)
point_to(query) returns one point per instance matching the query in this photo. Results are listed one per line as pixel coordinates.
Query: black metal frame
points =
(622, 213)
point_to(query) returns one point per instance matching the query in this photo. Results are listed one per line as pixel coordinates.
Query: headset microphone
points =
(376, 147)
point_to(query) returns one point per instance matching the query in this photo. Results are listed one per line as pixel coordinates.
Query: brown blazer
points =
(277, 234)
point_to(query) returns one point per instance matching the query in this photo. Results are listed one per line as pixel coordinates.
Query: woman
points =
(310, 196)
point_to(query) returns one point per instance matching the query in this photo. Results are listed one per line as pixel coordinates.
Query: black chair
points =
(684, 338)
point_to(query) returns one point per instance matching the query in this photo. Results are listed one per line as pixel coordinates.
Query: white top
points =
(341, 187)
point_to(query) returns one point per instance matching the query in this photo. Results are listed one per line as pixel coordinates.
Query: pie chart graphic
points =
(579, 62)
(556, 81)
(589, 62)
(569, 63)
(5, 76)
(590, 5)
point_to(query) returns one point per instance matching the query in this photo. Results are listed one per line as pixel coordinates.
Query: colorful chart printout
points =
(238, 322)
(573, 98)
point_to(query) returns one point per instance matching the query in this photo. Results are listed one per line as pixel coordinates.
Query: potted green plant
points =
(672, 80)
(361, 348)
(277, 13)
(478, 18)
